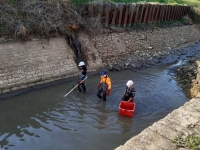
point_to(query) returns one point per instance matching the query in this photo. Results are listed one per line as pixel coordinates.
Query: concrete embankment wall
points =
(36, 62)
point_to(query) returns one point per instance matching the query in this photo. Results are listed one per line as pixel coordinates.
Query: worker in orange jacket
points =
(104, 86)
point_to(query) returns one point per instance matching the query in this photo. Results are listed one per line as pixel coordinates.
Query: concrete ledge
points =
(179, 123)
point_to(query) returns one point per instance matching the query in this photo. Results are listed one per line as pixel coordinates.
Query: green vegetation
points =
(191, 141)
(195, 14)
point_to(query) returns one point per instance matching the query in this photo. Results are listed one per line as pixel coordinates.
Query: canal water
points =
(44, 119)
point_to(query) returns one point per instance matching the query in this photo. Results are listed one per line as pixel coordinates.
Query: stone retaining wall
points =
(36, 62)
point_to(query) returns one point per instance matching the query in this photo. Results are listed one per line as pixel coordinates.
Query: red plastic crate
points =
(127, 108)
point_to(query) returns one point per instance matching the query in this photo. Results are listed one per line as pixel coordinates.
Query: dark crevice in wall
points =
(79, 54)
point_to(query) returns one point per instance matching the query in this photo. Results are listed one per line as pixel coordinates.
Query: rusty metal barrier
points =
(129, 14)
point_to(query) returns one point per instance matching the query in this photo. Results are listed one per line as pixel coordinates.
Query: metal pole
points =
(75, 87)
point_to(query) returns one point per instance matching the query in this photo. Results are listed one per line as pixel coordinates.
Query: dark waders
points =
(103, 88)
(125, 97)
(83, 87)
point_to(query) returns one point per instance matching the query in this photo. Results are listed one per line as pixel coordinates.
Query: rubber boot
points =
(79, 89)
(99, 96)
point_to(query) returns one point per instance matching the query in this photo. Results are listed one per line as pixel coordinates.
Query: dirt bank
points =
(188, 78)
(134, 48)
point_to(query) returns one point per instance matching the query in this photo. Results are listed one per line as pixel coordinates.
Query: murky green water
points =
(46, 120)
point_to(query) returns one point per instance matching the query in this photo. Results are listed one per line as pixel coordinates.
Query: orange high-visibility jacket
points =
(107, 81)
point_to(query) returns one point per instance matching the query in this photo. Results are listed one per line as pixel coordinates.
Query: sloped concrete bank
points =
(180, 123)
(36, 62)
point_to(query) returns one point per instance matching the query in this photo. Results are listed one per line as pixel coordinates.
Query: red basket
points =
(126, 108)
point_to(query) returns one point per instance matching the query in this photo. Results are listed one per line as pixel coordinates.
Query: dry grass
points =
(22, 19)
(38, 18)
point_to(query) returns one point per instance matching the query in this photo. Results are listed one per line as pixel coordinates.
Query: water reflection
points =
(45, 119)
(126, 124)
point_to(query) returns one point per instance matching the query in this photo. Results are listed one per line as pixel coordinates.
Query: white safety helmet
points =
(129, 83)
(81, 64)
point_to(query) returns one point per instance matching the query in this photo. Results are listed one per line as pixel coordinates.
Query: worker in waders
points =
(104, 86)
(130, 92)
(81, 82)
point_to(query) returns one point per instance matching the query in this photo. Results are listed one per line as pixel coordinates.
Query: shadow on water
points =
(45, 119)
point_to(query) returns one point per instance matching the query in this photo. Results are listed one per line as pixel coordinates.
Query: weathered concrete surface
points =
(181, 122)
(35, 62)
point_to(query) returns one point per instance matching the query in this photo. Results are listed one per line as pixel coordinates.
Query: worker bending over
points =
(130, 92)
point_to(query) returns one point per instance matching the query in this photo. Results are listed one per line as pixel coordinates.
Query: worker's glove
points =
(79, 82)
(108, 92)
(130, 99)
(99, 86)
